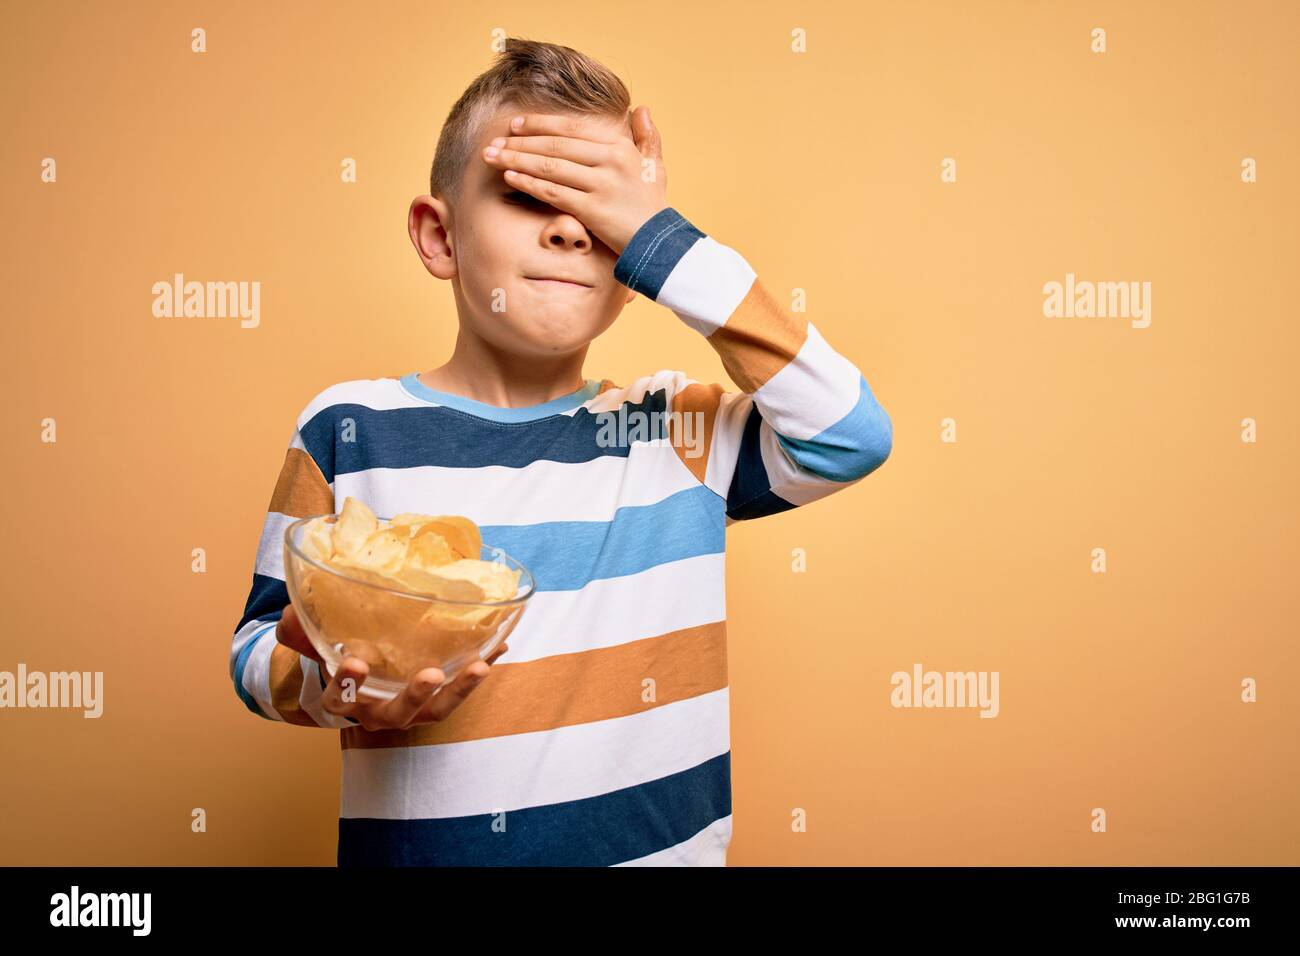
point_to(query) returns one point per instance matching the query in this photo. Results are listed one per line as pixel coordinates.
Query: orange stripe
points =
(301, 490)
(569, 689)
(605, 386)
(286, 685)
(758, 339)
(704, 399)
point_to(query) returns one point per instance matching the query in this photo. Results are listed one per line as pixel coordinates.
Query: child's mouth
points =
(556, 283)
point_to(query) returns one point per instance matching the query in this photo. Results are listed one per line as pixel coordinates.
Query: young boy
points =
(602, 736)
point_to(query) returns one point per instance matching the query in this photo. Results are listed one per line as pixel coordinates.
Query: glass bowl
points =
(397, 632)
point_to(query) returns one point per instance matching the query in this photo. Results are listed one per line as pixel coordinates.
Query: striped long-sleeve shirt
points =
(602, 736)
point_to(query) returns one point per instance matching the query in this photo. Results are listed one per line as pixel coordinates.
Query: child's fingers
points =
(332, 696)
(575, 150)
(561, 124)
(454, 694)
(572, 201)
(401, 710)
(553, 170)
(420, 702)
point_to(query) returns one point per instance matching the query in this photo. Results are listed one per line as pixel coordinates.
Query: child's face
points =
(498, 244)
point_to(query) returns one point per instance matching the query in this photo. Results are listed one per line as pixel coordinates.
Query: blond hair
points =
(533, 77)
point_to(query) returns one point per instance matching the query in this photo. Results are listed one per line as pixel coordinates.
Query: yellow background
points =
(1119, 691)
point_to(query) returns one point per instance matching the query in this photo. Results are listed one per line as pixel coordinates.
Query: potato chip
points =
(461, 533)
(433, 555)
(447, 617)
(368, 575)
(436, 584)
(348, 613)
(406, 524)
(318, 539)
(410, 519)
(355, 525)
(428, 551)
(383, 551)
(496, 581)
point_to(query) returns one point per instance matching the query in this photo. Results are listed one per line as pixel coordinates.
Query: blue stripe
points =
(750, 495)
(411, 382)
(654, 251)
(768, 503)
(853, 447)
(566, 555)
(597, 831)
(450, 438)
(267, 600)
(244, 653)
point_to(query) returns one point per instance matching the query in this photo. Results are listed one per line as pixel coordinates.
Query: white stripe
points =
(270, 547)
(811, 392)
(538, 492)
(242, 636)
(796, 485)
(257, 672)
(310, 698)
(706, 848)
(380, 394)
(724, 449)
(608, 612)
(666, 597)
(707, 285)
(515, 771)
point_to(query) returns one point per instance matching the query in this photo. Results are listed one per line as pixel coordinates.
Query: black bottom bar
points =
(374, 907)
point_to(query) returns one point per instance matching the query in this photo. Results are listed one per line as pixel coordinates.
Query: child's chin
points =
(555, 338)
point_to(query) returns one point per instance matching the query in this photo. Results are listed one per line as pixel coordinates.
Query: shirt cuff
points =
(654, 250)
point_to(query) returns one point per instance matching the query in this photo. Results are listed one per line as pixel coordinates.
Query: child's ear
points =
(630, 296)
(426, 222)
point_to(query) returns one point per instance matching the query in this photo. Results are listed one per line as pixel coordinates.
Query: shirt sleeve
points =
(275, 681)
(804, 424)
